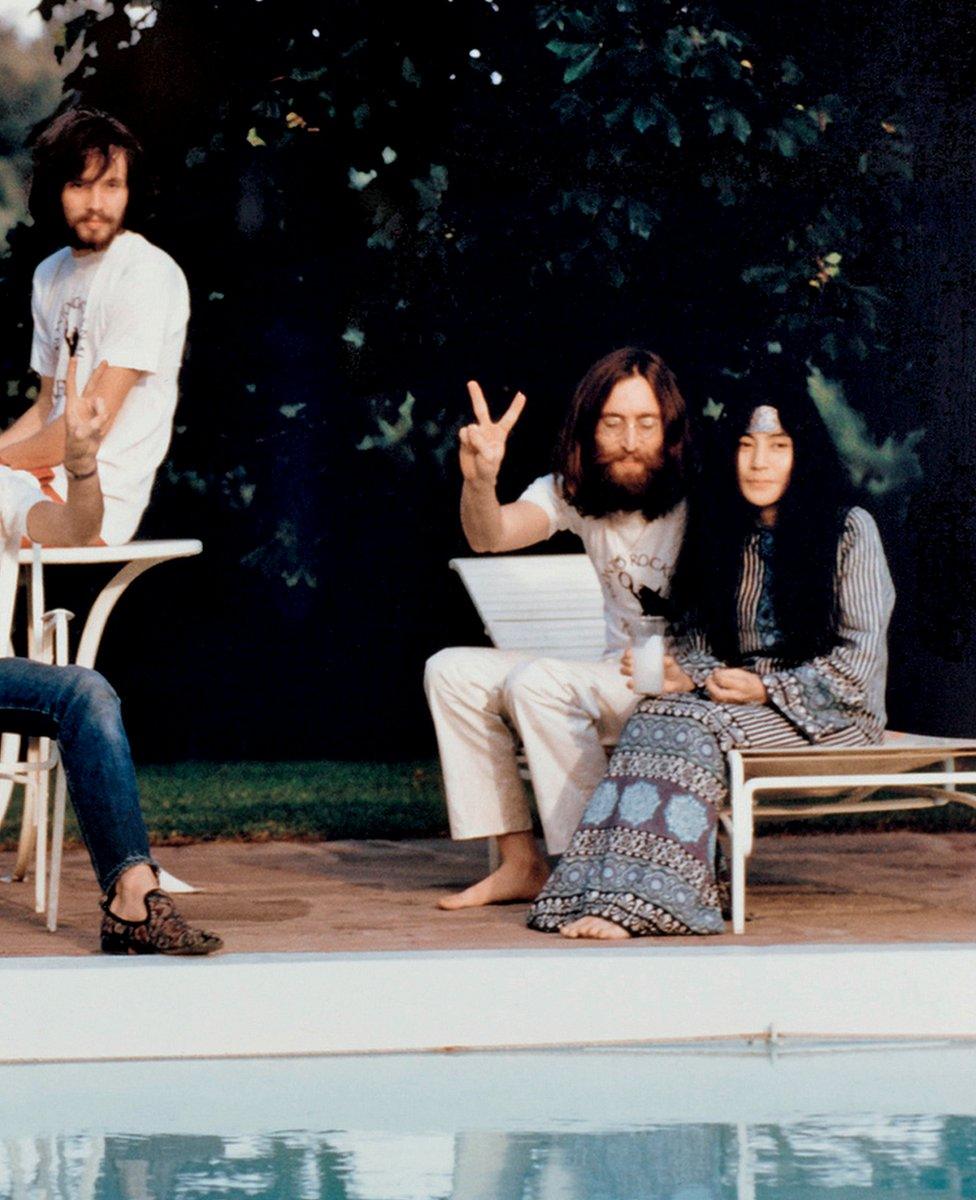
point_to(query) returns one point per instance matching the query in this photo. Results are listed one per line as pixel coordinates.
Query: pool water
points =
(712, 1122)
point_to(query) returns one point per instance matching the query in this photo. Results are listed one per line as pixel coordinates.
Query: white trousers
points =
(484, 701)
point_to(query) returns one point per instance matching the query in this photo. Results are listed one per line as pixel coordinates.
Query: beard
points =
(97, 239)
(653, 491)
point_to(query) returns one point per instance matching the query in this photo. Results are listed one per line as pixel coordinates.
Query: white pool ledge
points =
(64, 1009)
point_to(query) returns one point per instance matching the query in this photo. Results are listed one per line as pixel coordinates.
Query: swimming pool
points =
(748, 1121)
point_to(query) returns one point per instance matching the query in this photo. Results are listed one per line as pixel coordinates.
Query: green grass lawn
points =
(255, 801)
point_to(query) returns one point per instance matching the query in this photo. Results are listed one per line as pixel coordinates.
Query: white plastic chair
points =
(48, 642)
(800, 781)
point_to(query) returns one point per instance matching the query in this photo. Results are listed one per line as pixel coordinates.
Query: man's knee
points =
(87, 687)
(538, 680)
(445, 672)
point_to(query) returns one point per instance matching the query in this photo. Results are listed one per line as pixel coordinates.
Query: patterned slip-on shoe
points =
(163, 932)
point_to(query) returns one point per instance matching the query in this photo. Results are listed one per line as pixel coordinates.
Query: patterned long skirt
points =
(644, 855)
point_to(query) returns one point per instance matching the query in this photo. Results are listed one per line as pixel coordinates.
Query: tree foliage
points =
(29, 87)
(372, 208)
(405, 190)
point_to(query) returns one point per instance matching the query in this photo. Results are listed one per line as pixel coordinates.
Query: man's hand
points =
(85, 418)
(733, 685)
(483, 444)
(78, 521)
(675, 679)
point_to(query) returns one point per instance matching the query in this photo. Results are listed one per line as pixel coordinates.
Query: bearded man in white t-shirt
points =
(619, 484)
(108, 296)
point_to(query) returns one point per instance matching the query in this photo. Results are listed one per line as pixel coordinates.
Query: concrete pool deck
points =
(337, 948)
(285, 897)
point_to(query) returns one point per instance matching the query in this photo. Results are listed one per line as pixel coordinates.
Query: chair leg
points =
(43, 748)
(9, 752)
(738, 887)
(28, 823)
(740, 828)
(57, 848)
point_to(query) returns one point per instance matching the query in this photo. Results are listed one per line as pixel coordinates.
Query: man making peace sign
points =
(619, 486)
(78, 708)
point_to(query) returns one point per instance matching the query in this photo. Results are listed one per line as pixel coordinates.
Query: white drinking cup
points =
(647, 647)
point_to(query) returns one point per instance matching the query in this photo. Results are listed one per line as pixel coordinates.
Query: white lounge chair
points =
(552, 604)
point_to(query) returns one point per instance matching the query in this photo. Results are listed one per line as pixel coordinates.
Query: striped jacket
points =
(835, 690)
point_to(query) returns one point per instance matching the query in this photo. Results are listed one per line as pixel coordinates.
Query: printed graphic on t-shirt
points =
(637, 573)
(69, 334)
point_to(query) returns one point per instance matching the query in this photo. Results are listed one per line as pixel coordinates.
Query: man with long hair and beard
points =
(110, 296)
(618, 483)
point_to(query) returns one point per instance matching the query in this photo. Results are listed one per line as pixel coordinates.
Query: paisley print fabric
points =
(646, 852)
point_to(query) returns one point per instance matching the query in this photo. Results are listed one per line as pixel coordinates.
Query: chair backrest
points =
(546, 604)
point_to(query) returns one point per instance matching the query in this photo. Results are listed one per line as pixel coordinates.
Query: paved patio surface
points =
(378, 895)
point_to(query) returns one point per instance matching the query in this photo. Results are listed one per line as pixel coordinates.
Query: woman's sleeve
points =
(829, 692)
(692, 654)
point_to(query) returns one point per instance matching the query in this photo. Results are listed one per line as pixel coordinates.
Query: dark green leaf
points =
(615, 115)
(791, 73)
(785, 143)
(563, 49)
(581, 68)
(740, 125)
(641, 218)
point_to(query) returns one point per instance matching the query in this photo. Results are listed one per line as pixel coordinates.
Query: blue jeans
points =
(80, 710)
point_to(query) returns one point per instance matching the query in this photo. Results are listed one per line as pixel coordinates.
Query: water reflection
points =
(892, 1157)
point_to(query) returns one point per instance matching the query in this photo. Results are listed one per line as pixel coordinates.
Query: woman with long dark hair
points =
(784, 598)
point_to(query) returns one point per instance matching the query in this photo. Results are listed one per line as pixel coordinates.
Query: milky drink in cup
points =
(647, 647)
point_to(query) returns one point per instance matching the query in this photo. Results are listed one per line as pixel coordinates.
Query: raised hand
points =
(85, 420)
(483, 443)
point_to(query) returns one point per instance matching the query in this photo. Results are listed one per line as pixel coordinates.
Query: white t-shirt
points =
(130, 305)
(628, 552)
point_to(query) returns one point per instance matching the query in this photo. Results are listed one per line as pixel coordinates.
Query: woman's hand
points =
(675, 680)
(734, 685)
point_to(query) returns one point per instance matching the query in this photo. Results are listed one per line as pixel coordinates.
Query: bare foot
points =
(131, 887)
(594, 927)
(511, 881)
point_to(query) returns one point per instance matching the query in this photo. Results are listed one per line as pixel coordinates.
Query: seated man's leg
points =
(81, 711)
(565, 711)
(485, 795)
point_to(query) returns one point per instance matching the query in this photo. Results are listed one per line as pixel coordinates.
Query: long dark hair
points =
(809, 520)
(583, 481)
(61, 153)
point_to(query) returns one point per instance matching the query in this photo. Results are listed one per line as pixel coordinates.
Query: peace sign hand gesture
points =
(483, 444)
(85, 420)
